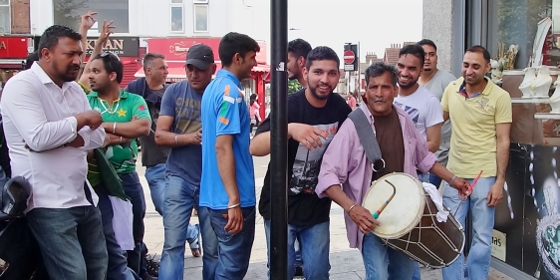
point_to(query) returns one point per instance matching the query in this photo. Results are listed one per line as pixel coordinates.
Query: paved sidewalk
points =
(346, 263)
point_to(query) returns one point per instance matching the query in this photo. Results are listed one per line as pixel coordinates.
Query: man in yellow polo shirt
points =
(480, 114)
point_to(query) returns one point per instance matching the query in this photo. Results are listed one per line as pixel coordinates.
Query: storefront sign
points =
(13, 47)
(175, 49)
(121, 46)
(499, 245)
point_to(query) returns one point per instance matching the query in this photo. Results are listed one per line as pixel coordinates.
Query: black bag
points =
(20, 257)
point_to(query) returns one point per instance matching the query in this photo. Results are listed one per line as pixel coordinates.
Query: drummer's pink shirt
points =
(345, 163)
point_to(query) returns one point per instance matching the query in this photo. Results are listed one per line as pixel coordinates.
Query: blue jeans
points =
(435, 180)
(133, 189)
(72, 242)
(315, 243)
(478, 261)
(155, 176)
(117, 269)
(382, 262)
(180, 198)
(234, 251)
(209, 245)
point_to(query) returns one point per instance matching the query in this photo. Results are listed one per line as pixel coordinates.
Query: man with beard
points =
(480, 114)
(314, 116)
(420, 104)
(49, 127)
(297, 57)
(125, 118)
(227, 185)
(436, 80)
(180, 128)
(346, 173)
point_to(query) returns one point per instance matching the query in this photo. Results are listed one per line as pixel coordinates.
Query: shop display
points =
(526, 87)
(541, 85)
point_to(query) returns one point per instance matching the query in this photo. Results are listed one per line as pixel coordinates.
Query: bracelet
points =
(176, 141)
(115, 128)
(233, 206)
(120, 140)
(351, 207)
(452, 179)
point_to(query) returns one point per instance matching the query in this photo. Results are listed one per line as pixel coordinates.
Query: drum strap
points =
(367, 139)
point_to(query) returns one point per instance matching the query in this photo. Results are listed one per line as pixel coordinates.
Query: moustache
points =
(379, 99)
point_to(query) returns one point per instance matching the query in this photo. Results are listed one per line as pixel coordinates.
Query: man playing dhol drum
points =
(346, 173)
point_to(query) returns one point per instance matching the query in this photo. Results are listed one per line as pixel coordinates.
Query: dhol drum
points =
(408, 222)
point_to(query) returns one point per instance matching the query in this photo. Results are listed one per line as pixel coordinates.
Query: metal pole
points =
(279, 141)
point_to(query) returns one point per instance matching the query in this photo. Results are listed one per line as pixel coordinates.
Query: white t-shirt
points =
(423, 108)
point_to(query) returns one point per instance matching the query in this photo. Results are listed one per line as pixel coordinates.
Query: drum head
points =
(405, 209)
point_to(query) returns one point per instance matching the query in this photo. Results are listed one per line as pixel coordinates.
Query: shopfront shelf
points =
(534, 100)
(547, 116)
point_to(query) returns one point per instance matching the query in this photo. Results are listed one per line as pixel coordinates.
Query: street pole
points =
(278, 249)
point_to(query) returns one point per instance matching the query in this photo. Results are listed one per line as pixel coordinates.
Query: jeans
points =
(315, 243)
(133, 189)
(435, 180)
(117, 269)
(72, 242)
(155, 176)
(382, 262)
(209, 245)
(478, 261)
(180, 198)
(233, 251)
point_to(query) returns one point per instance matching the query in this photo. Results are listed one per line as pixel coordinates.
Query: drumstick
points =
(470, 190)
(378, 212)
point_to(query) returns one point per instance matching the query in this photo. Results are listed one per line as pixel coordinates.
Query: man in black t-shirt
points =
(314, 116)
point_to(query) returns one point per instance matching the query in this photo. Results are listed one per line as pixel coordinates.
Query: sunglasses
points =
(109, 54)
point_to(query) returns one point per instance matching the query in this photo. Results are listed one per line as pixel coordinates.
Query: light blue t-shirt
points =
(224, 112)
(182, 103)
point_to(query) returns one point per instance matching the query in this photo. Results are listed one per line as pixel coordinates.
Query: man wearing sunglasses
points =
(125, 118)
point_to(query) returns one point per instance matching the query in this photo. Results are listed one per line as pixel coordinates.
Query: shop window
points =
(514, 22)
(68, 12)
(5, 17)
(177, 19)
(200, 18)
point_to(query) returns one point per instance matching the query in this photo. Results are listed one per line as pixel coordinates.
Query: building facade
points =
(526, 237)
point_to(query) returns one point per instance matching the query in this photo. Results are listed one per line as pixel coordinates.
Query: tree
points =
(293, 86)
(67, 12)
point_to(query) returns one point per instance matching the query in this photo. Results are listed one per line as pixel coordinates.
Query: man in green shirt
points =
(125, 118)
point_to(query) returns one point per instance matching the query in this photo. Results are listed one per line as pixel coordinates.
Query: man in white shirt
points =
(49, 128)
(421, 105)
(436, 80)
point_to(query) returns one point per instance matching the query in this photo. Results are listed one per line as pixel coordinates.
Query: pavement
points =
(346, 263)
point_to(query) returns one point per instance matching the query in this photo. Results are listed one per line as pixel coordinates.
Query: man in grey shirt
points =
(436, 80)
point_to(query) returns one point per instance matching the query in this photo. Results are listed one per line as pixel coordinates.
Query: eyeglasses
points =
(109, 54)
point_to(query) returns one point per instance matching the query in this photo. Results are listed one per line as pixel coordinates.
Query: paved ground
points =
(346, 263)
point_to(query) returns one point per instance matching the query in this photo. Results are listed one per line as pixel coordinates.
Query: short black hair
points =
(299, 47)
(233, 43)
(427, 42)
(415, 50)
(149, 57)
(111, 63)
(50, 37)
(31, 58)
(379, 68)
(480, 49)
(322, 53)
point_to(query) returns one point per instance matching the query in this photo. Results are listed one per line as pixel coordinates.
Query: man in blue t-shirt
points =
(180, 128)
(227, 189)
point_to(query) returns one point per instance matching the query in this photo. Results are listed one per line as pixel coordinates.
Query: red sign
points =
(13, 47)
(349, 56)
(175, 49)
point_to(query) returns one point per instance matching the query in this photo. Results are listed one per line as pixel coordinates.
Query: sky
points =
(374, 24)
